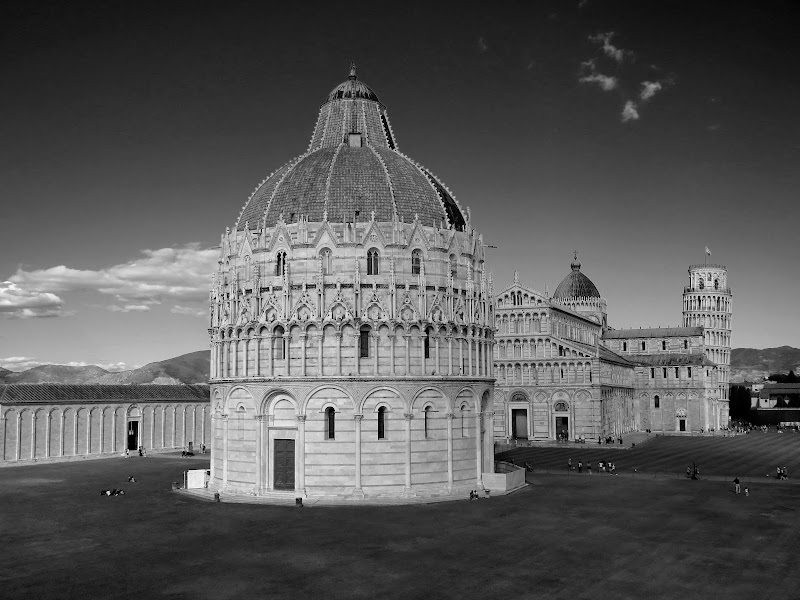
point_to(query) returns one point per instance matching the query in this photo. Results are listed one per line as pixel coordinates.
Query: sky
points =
(634, 133)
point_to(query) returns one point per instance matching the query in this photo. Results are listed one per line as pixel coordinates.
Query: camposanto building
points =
(351, 324)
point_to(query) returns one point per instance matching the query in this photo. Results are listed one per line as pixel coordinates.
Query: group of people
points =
(127, 453)
(473, 495)
(782, 473)
(610, 439)
(112, 492)
(737, 486)
(603, 466)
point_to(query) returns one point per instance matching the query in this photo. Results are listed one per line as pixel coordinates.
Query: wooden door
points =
(284, 465)
(520, 423)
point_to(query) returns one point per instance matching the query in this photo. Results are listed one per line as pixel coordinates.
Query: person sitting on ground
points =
(689, 471)
(131, 479)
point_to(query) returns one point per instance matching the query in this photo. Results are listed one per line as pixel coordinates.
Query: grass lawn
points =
(562, 537)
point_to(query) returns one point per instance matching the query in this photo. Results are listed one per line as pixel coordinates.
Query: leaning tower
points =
(708, 302)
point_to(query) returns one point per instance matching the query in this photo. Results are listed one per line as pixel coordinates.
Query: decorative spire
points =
(352, 71)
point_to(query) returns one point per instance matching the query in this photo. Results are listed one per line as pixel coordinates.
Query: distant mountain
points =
(188, 368)
(748, 364)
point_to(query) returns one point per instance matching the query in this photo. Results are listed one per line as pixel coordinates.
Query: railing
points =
(708, 290)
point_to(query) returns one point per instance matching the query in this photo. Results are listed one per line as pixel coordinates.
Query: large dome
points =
(352, 165)
(576, 285)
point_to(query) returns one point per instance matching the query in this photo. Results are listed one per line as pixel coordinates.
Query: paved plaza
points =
(560, 537)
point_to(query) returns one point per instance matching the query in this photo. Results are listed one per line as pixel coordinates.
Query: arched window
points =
(663, 344)
(280, 263)
(427, 420)
(330, 423)
(416, 262)
(325, 260)
(382, 423)
(453, 265)
(643, 346)
(656, 402)
(363, 342)
(716, 284)
(702, 285)
(624, 346)
(463, 412)
(426, 341)
(372, 261)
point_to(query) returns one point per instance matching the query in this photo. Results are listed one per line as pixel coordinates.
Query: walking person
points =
(569, 464)
(736, 485)
(580, 466)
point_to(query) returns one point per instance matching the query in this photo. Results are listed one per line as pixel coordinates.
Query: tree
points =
(739, 401)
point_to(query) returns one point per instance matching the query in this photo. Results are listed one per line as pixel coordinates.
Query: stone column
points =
(258, 356)
(303, 338)
(449, 354)
(300, 454)
(163, 425)
(33, 434)
(287, 347)
(469, 356)
(259, 488)
(224, 451)
(377, 337)
(422, 360)
(438, 364)
(391, 337)
(338, 336)
(235, 359)
(450, 417)
(88, 431)
(460, 355)
(61, 434)
(19, 435)
(245, 353)
(47, 436)
(407, 338)
(321, 353)
(358, 491)
(357, 352)
(479, 448)
(103, 426)
(407, 491)
(75, 434)
(270, 350)
(152, 428)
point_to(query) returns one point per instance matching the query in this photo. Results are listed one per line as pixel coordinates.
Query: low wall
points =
(506, 477)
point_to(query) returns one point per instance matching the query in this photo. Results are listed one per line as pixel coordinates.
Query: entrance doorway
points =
(562, 428)
(519, 424)
(284, 465)
(133, 435)
(681, 424)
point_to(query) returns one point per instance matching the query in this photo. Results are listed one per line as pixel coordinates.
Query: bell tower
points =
(708, 303)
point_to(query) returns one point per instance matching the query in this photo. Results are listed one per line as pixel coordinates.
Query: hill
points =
(187, 368)
(748, 364)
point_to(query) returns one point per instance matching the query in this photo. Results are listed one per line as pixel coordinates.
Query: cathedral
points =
(352, 324)
(564, 374)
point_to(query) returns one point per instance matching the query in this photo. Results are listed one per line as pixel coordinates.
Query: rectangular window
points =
(656, 402)
(676, 373)
(427, 342)
(685, 344)
(363, 342)
(689, 372)
(665, 372)
(664, 345)
(624, 346)
(652, 373)
(643, 346)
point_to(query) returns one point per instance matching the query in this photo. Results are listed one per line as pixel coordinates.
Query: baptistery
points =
(351, 324)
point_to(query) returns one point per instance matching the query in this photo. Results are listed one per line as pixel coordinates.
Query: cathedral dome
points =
(352, 168)
(576, 284)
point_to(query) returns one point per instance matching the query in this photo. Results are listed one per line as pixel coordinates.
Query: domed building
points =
(576, 291)
(351, 324)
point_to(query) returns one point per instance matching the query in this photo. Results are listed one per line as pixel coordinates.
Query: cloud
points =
(182, 274)
(22, 302)
(650, 89)
(604, 39)
(606, 82)
(483, 47)
(582, 3)
(629, 112)
(23, 363)
(189, 311)
(128, 308)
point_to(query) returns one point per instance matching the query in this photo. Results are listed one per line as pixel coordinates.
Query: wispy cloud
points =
(177, 274)
(189, 311)
(23, 363)
(650, 89)
(606, 82)
(604, 40)
(128, 308)
(630, 112)
(483, 46)
(20, 302)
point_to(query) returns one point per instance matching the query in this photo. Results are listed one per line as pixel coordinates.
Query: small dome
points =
(576, 284)
(353, 88)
